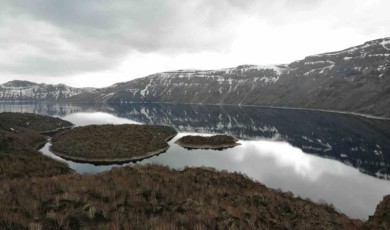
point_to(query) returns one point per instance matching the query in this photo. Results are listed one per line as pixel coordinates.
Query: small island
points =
(107, 144)
(211, 142)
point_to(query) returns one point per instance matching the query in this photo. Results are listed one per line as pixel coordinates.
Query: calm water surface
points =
(327, 157)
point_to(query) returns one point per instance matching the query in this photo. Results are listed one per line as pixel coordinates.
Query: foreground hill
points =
(155, 197)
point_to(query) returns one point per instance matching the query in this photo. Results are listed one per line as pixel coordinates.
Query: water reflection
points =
(273, 150)
(97, 118)
(281, 165)
(354, 140)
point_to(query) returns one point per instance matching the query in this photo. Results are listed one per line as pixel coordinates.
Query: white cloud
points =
(98, 43)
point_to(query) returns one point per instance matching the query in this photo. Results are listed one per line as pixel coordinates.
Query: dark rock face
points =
(353, 80)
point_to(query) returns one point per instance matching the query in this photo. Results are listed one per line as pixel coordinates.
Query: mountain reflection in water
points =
(281, 148)
(354, 140)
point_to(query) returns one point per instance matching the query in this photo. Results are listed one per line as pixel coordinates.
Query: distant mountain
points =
(30, 91)
(353, 80)
(356, 79)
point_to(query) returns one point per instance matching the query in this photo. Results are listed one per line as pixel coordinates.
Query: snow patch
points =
(145, 90)
(384, 43)
(318, 62)
(319, 69)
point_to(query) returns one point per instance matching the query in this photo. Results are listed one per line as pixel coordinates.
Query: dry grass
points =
(32, 121)
(381, 218)
(28, 163)
(110, 143)
(18, 157)
(155, 197)
(212, 142)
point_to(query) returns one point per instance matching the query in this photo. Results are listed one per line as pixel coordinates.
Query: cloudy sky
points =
(101, 42)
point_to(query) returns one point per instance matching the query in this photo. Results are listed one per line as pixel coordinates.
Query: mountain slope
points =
(356, 79)
(353, 80)
(29, 91)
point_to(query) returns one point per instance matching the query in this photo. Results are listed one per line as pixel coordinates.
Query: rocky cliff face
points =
(29, 91)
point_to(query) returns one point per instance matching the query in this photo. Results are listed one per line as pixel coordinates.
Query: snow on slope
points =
(20, 90)
(269, 73)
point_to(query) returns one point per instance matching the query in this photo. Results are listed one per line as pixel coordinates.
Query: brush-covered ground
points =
(207, 142)
(37, 192)
(156, 197)
(18, 142)
(38, 123)
(112, 143)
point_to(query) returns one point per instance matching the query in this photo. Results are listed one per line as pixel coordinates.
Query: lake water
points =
(326, 157)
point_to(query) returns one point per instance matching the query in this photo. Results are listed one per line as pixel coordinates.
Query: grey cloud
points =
(109, 30)
(76, 36)
(140, 25)
(50, 66)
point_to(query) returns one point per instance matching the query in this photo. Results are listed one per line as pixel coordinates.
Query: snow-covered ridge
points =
(23, 90)
(318, 62)
(267, 73)
(384, 42)
(278, 69)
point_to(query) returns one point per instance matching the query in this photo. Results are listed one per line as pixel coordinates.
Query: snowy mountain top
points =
(19, 83)
(27, 84)
(278, 69)
(383, 44)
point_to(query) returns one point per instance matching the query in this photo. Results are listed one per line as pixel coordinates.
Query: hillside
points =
(30, 91)
(353, 80)
(356, 80)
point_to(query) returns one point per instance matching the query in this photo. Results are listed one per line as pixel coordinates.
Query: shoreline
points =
(365, 115)
(266, 106)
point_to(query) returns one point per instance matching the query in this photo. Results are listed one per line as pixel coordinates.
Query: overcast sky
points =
(100, 42)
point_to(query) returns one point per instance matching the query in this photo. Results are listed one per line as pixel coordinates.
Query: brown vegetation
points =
(29, 163)
(155, 197)
(112, 143)
(381, 218)
(18, 157)
(38, 123)
(212, 142)
(34, 194)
